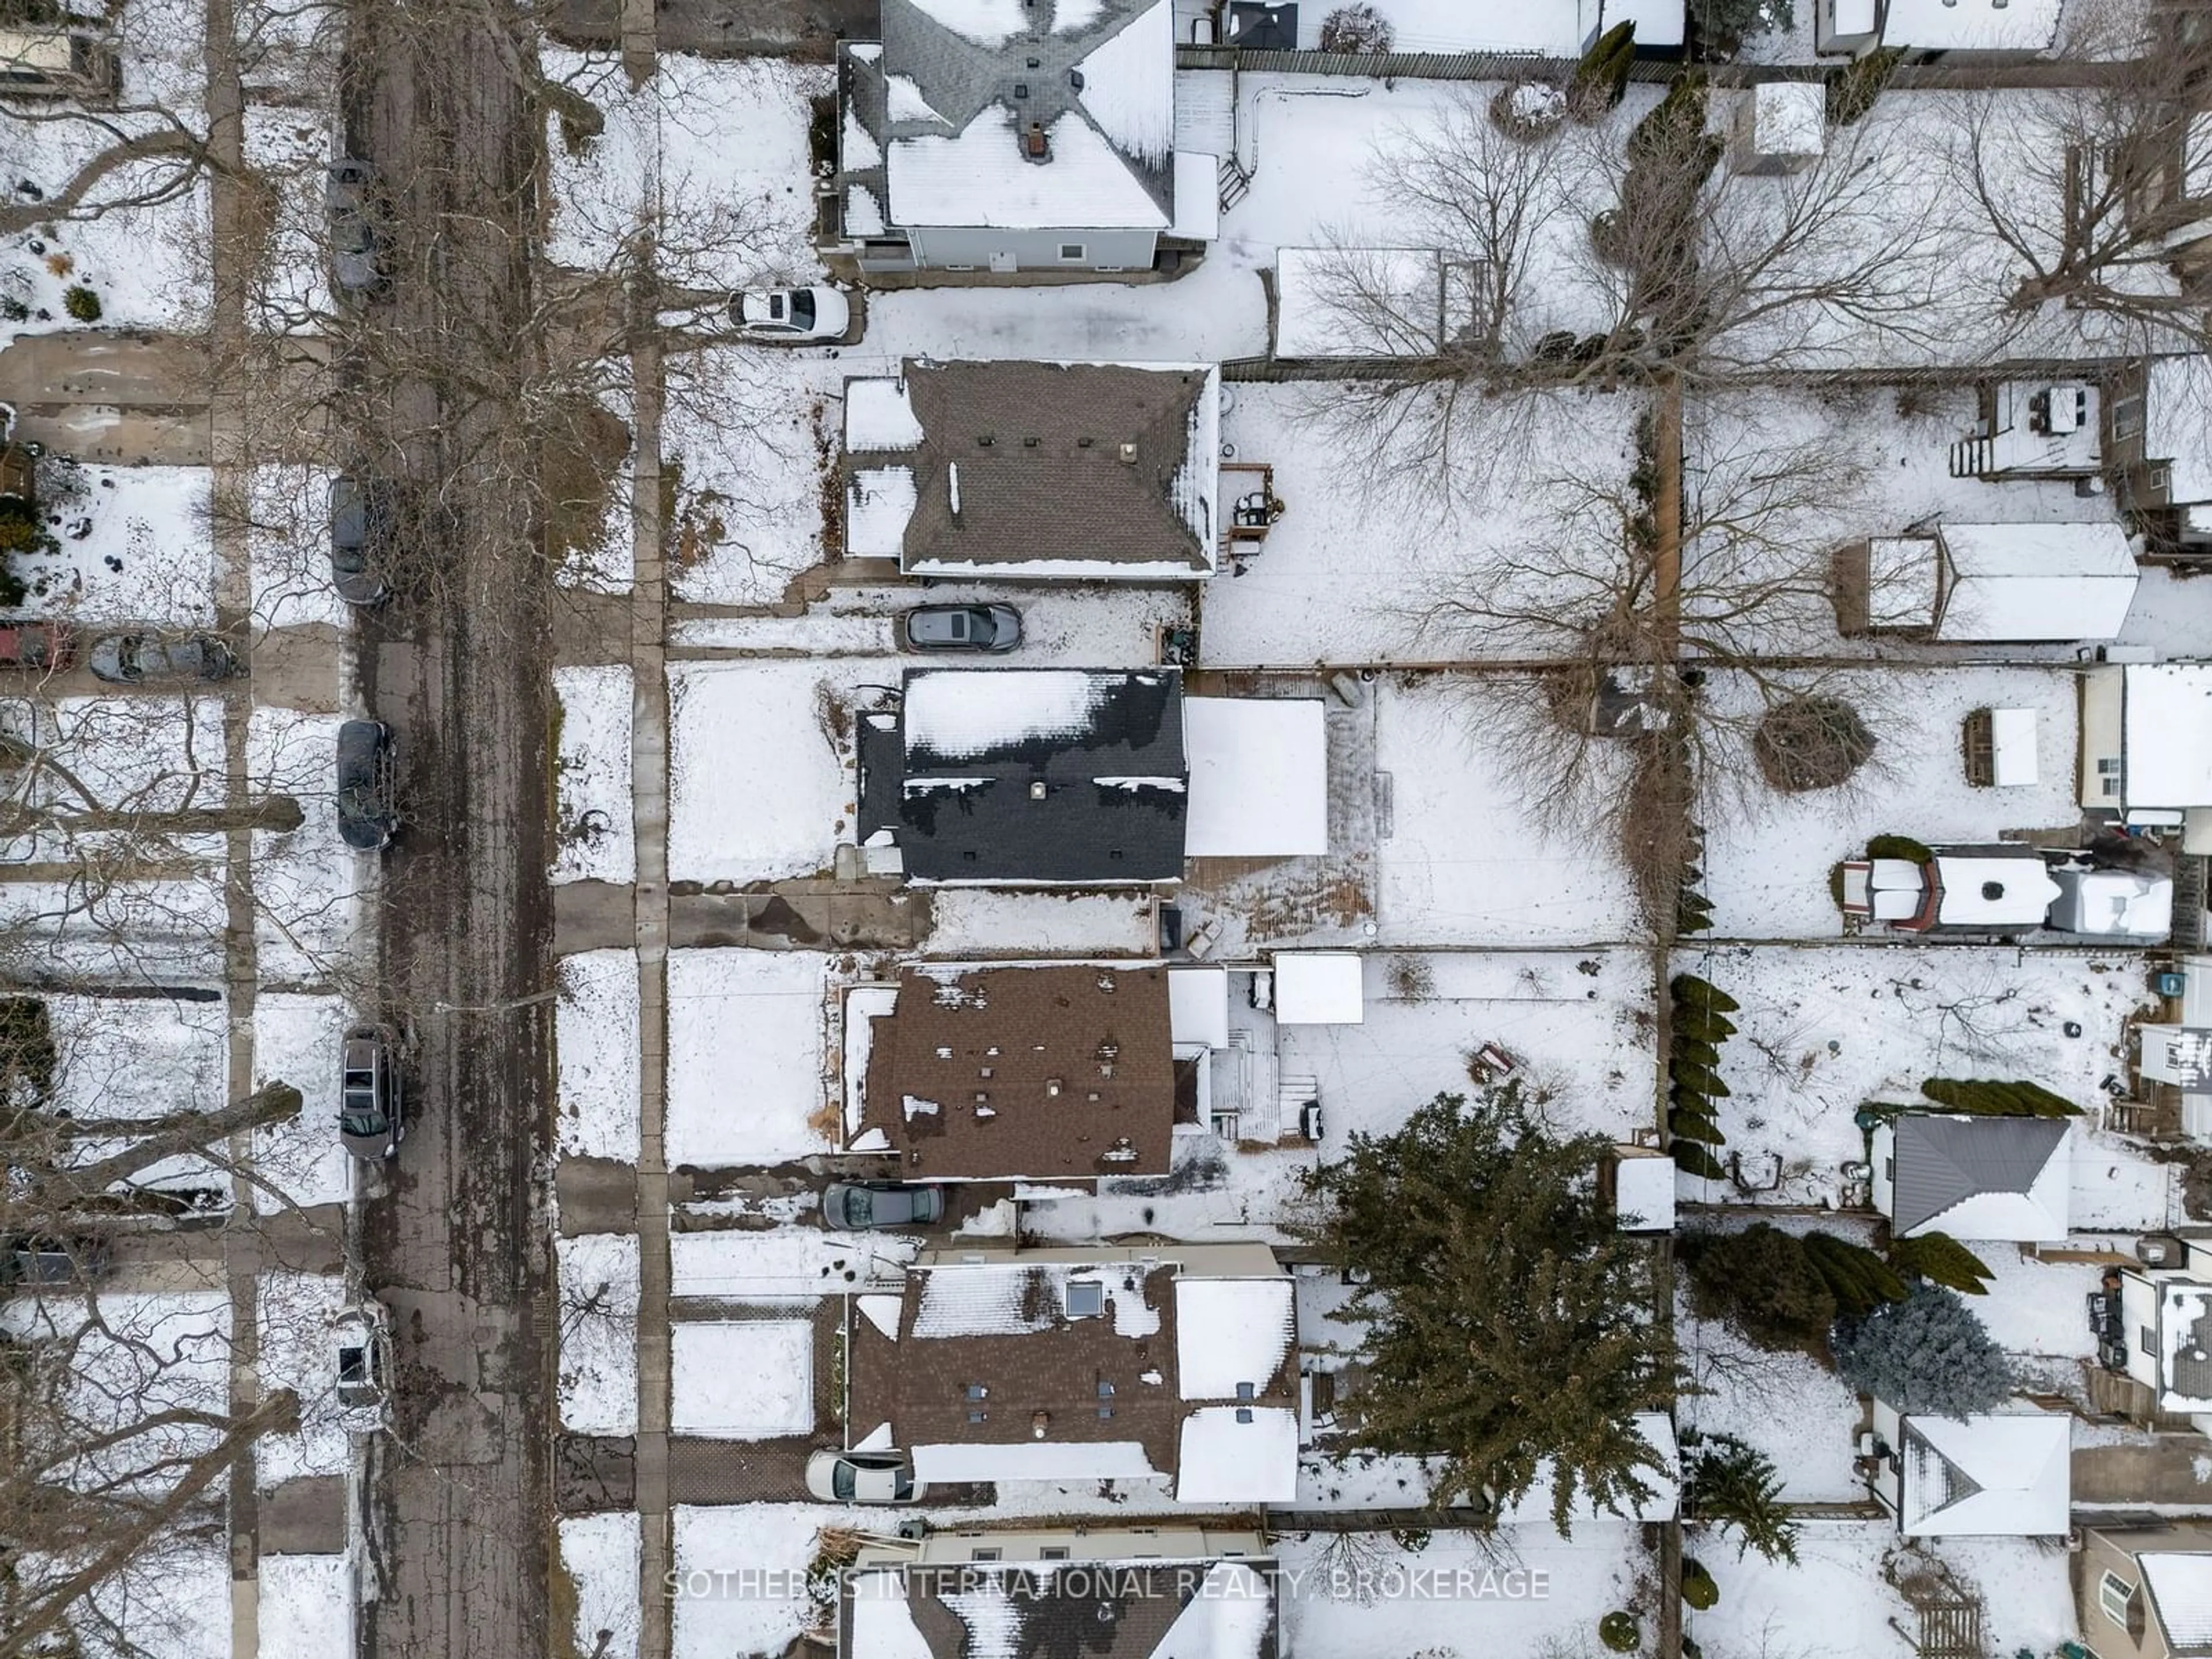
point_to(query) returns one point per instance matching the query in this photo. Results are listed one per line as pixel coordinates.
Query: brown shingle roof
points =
(1054, 1072)
(1051, 483)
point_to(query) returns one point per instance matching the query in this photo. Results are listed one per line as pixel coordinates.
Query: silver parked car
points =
(372, 1115)
(858, 1477)
(150, 659)
(992, 628)
(363, 1341)
(855, 1207)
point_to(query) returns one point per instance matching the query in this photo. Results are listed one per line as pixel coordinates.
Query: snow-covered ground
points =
(288, 547)
(596, 1034)
(294, 1314)
(594, 820)
(600, 1555)
(966, 922)
(1787, 1404)
(137, 545)
(760, 773)
(306, 1604)
(311, 890)
(739, 1573)
(139, 1059)
(287, 149)
(298, 1040)
(745, 1056)
(749, 1379)
(598, 1276)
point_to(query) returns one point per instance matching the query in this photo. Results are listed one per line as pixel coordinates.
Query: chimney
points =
(1033, 142)
(1128, 454)
(1039, 1421)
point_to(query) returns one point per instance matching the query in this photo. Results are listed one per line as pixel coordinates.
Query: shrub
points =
(1695, 1025)
(1357, 27)
(81, 303)
(1692, 1159)
(1695, 1125)
(1762, 1281)
(1722, 24)
(1853, 88)
(1702, 1078)
(1620, 1631)
(1861, 1281)
(1994, 1097)
(1899, 846)
(1926, 1354)
(1601, 79)
(1698, 1590)
(1695, 1051)
(1690, 991)
(28, 1056)
(1530, 111)
(1810, 743)
(1940, 1259)
(22, 531)
(1732, 1484)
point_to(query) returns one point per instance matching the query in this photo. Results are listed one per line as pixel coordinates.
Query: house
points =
(2155, 1328)
(1976, 889)
(1136, 1592)
(1043, 1071)
(2146, 745)
(2159, 440)
(2143, 1588)
(1016, 135)
(2173, 1062)
(1976, 1178)
(1028, 777)
(1173, 1366)
(1959, 31)
(2006, 1474)
(1036, 471)
(1982, 583)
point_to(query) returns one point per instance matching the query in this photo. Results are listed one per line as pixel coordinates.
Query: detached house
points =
(1175, 1364)
(2146, 745)
(1043, 1072)
(2007, 1475)
(2143, 1588)
(1976, 1178)
(1036, 471)
(2152, 1319)
(1016, 135)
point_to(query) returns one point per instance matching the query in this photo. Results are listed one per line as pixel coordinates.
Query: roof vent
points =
(1128, 454)
(1075, 79)
(1039, 1422)
(1022, 90)
(1992, 890)
(1036, 63)
(1052, 1088)
(1038, 790)
(1243, 1414)
(1033, 141)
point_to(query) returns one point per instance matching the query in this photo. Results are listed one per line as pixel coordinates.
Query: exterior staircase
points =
(1972, 457)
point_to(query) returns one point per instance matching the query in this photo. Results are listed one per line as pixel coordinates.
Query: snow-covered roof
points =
(1198, 1006)
(879, 503)
(1658, 22)
(1993, 891)
(1230, 1617)
(2007, 1475)
(1969, 25)
(2036, 582)
(1032, 1460)
(1230, 1332)
(2114, 903)
(1985, 1179)
(980, 177)
(2185, 1345)
(1319, 987)
(1358, 302)
(2180, 1583)
(2178, 423)
(2167, 734)
(1128, 86)
(1644, 1192)
(879, 416)
(2012, 746)
(1238, 1455)
(1258, 777)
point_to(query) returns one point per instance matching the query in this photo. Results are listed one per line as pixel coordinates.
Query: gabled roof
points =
(956, 87)
(2167, 734)
(1986, 1178)
(2180, 1583)
(1013, 1369)
(1029, 775)
(1030, 469)
(2006, 1475)
(1044, 1072)
(2036, 582)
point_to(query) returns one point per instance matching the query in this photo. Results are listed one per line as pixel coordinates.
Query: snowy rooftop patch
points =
(879, 503)
(2026, 581)
(2180, 1583)
(1128, 86)
(1230, 1332)
(1258, 777)
(954, 715)
(978, 176)
(1970, 25)
(879, 417)
(742, 1379)
(1237, 1454)
(2007, 1475)
(1319, 987)
(2168, 733)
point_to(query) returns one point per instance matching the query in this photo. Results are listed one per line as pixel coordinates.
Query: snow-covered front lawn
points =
(595, 1033)
(761, 776)
(599, 1333)
(742, 1379)
(744, 1056)
(594, 819)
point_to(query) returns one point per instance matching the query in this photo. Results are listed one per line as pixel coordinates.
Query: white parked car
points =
(790, 315)
(862, 1477)
(363, 1344)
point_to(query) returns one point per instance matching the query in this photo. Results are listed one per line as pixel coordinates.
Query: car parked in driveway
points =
(360, 530)
(858, 1477)
(41, 646)
(151, 660)
(348, 202)
(793, 315)
(372, 1113)
(363, 1337)
(366, 817)
(857, 1205)
(992, 628)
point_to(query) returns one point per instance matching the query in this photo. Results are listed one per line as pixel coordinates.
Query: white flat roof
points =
(1198, 1006)
(1644, 1194)
(1238, 1455)
(1319, 987)
(2012, 740)
(1970, 26)
(1033, 1460)
(1994, 892)
(2167, 734)
(2037, 581)
(1258, 777)
(1230, 1331)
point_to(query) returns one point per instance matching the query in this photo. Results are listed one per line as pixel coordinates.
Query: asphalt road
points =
(459, 665)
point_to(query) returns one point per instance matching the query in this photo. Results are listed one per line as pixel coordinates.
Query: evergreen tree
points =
(1926, 1354)
(1601, 78)
(1762, 1281)
(1692, 1158)
(1940, 1259)
(1730, 1484)
(1510, 1330)
(1996, 1097)
(1686, 1125)
(1690, 991)
(1861, 1281)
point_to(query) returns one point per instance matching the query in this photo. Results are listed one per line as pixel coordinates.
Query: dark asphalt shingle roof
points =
(1943, 1161)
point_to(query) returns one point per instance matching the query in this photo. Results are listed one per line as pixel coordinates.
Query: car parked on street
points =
(362, 1336)
(366, 817)
(150, 659)
(361, 528)
(858, 1477)
(371, 1113)
(44, 647)
(348, 200)
(44, 1263)
(857, 1205)
(992, 628)
(793, 315)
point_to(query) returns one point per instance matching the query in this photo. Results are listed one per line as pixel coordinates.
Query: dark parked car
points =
(860, 1204)
(360, 528)
(45, 646)
(349, 198)
(366, 819)
(962, 628)
(372, 1116)
(150, 659)
(53, 1262)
